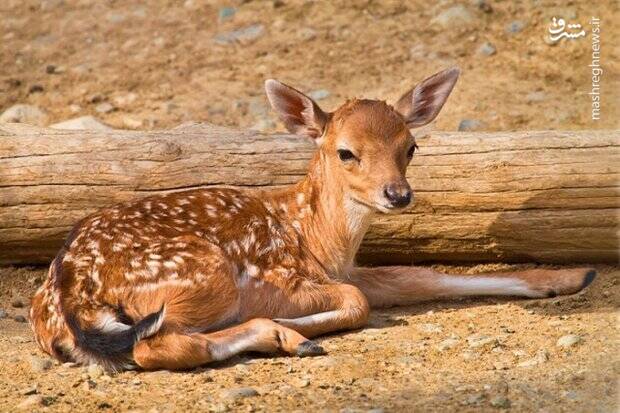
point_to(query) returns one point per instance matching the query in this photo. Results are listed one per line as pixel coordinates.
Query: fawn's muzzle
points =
(399, 195)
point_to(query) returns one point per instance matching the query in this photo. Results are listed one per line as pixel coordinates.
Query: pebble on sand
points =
(243, 36)
(454, 17)
(81, 123)
(487, 49)
(21, 113)
(239, 393)
(38, 364)
(470, 124)
(500, 402)
(568, 340)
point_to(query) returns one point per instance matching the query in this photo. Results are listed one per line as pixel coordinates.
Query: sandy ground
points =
(156, 64)
(465, 355)
(160, 63)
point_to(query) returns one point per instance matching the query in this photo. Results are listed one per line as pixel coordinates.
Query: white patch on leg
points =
(472, 285)
(310, 320)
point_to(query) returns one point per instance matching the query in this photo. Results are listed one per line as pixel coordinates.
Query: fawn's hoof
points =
(309, 348)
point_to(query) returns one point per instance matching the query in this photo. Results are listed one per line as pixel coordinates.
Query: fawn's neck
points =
(331, 224)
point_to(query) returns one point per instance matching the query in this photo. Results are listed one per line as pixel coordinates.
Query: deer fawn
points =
(179, 280)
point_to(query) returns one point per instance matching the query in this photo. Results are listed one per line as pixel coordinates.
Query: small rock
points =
(88, 385)
(125, 100)
(319, 94)
(104, 107)
(487, 49)
(226, 13)
(22, 113)
(475, 398)
(239, 393)
(430, 328)
(131, 123)
(447, 344)
(303, 383)
(480, 340)
(17, 303)
(483, 5)
(38, 364)
(95, 371)
(454, 17)
(542, 356)
(81, 123)
(570, 395)
(537, 96)
(30, 390)
(20, 318)
(568, 340)
(306, 34)
(31, 402)
(219, 408)
(500, 402)
(136, 382)
(244, 36)
(470, 125)
(515, 26)
(3, 314)
(35, 89)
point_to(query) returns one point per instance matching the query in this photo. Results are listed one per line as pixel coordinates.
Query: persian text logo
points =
(559, 30)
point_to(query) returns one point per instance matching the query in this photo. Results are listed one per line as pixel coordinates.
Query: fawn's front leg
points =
(392, 286)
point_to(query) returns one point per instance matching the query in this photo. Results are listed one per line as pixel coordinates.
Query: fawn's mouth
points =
(383, 208)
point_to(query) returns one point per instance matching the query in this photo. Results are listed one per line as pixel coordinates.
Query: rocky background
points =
(143, 65)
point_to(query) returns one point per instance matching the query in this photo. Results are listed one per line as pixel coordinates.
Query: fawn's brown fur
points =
(178, 280)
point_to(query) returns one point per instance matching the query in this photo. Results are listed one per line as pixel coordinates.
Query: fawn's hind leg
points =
(178, 350)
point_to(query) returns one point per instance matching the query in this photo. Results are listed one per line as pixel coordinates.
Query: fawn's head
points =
(366, 145)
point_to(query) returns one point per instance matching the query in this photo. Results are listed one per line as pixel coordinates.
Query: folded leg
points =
(177, 350)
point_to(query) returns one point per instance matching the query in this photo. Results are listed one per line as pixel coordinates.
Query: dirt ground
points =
(160, 63)
(465, 355)
(156, 64)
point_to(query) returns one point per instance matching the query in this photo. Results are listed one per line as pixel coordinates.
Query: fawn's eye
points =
(411, 151)
(345, 155)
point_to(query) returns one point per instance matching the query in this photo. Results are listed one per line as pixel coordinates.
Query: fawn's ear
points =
(422, 104)
(300, 114)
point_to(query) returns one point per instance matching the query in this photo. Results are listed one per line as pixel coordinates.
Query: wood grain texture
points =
(520, 196)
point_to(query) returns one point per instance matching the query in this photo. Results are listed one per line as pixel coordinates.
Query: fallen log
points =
(505, 196)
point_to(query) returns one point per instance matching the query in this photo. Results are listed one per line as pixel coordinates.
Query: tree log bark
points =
(511, 197)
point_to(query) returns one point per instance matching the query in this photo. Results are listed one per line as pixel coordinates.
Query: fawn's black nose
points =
(399, 195)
